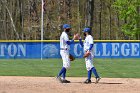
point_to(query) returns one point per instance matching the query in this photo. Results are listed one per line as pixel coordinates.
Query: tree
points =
(11, 18)
(89, 12)
(129, 12)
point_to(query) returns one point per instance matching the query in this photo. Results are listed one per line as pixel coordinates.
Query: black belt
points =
(63, 49)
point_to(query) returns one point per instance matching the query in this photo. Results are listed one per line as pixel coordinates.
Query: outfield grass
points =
(114, 68)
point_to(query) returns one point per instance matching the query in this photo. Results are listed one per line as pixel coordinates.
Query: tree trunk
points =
(100, 20)
(4, 24)
(21, 18)
(110, 15)
(78, 14)
(89, 13)
(68, 3)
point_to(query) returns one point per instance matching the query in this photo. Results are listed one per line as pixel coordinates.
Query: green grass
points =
(118, 68)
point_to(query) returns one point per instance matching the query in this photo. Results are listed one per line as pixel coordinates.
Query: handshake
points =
(76, 36)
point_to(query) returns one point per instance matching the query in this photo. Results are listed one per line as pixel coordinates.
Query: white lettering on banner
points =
(105, 52)
(135, 49)
(115, 49)
(95, 51)
(76, 48)
(125, 49)
(2, 49)
(21, 49)
(12, 50)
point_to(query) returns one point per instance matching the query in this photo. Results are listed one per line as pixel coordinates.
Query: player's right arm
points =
(67, 40)
(70, 42)
(76, 36)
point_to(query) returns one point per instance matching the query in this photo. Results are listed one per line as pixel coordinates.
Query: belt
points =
(63, 48)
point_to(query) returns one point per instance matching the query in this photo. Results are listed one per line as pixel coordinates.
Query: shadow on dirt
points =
(111, 83)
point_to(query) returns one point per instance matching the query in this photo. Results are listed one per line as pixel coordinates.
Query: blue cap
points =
(66, 26)
(86, 30)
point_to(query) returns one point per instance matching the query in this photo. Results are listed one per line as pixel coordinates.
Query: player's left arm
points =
(88, 51)
(90, 48)
(90, 40)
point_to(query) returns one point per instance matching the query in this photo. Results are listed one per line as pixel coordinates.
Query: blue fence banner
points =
(31, 50)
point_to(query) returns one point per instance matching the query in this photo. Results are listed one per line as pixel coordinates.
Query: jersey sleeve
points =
(90, 39)
(90, 42)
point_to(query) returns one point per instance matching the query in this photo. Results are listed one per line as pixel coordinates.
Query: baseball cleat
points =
(87, 81)
(65, 81)
(97, 80)
(59, 79)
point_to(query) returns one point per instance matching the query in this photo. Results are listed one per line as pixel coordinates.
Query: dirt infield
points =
(51, 85)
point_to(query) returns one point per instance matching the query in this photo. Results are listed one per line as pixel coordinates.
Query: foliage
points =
(20, 19)
(129, 12)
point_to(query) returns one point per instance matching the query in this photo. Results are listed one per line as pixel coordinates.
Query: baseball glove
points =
(86, 54)
(71, 57)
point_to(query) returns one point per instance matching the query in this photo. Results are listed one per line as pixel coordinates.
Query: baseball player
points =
(64, 52)
(88, 49)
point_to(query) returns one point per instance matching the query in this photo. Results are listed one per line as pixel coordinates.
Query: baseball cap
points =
(66, 26)
(86, 30)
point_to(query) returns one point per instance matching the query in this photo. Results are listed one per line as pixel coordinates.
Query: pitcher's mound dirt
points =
(51, 85)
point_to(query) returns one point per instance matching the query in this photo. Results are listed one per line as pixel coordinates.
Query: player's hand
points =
(76, 36)
(80, 37)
